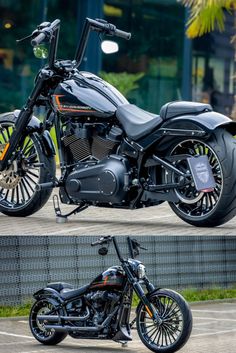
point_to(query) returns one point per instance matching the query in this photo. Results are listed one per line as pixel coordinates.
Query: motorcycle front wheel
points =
(47, 337)
(18, 195)
(176, 325)
(218, 206)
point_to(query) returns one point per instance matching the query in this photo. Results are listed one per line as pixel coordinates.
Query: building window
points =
(156, 48)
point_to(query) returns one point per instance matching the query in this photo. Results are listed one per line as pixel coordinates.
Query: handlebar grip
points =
(122, 34)
(95, 243)
(38, 39)
(103, 240)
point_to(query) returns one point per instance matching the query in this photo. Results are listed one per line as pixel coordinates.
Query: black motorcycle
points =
(112, 153)
(101, 309)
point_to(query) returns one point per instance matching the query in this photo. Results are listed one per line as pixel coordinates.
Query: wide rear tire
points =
(209, 209)
(47, 337)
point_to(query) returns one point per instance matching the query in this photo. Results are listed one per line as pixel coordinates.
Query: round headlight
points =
(141, 271)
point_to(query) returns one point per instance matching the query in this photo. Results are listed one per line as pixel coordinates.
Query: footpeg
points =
(45, 186)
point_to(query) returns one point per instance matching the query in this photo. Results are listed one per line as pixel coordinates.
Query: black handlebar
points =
(108, 28)
(47, 31)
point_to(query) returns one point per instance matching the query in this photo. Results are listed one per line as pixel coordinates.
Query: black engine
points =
(98, 176)
(99, 305)
(105, 181)
(89, 141)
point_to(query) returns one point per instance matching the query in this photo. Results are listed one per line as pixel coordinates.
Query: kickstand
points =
(124, 344)
(63, 218)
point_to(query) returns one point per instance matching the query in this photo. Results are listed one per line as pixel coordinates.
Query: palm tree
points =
(206, 15)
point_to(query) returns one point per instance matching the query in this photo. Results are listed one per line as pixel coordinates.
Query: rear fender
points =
(207, 121)
(196, 126)
(35, 125)
(49, 294)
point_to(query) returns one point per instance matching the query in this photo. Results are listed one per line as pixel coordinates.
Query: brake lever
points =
(22, 39)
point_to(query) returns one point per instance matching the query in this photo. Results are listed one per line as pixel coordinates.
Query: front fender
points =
(207, 121)
(35, 125)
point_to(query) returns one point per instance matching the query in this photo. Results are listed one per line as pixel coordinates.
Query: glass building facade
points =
(170, 67)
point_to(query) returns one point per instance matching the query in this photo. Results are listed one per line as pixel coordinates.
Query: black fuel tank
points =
(112, 278)
(85, 94)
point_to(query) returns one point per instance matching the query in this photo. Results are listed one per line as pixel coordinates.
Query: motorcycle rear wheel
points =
(47, 337)
(213, 208)
(176, 326)
(18, 195)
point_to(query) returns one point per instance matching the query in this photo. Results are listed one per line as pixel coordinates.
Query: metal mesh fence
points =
(29, 263)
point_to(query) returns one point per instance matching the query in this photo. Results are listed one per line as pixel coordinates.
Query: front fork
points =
(148, 306)
(23, 120)
(142, 296)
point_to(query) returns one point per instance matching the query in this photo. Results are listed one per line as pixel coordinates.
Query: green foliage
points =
(193, 295)
(206, 15)
(122, 81)
(11, 311)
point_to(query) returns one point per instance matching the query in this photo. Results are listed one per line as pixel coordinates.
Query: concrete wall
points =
(27, 263)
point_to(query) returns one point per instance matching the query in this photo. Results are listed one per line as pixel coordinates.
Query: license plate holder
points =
(202, 173)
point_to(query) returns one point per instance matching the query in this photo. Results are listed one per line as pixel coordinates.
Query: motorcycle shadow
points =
(65, 347)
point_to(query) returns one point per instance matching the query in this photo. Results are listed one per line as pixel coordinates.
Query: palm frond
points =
(206, 15)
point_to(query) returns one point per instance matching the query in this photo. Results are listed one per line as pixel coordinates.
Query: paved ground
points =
(214, 331)
(158, 220)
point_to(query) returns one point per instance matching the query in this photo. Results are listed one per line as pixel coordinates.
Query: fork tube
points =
(21, 123)
(53, 48)
(59, 145)
(117, 250)
(83, 43)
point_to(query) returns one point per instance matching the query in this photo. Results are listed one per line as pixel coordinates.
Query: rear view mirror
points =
(109, 47)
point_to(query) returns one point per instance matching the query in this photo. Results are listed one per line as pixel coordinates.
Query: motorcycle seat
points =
(137, 122)
(74, 292)
(172, 109)
(59, 286)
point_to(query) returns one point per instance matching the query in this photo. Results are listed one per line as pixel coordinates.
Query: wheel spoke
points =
(29, 185)
(192, 202)
(22, 192)
(30, 180)
(25, 187)
(32, 173)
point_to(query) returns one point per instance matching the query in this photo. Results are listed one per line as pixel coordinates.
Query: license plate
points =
(202, 174)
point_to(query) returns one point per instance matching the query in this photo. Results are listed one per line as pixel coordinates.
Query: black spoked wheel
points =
(18, 195)
(176, 325)
(43, 335)
(208, 207)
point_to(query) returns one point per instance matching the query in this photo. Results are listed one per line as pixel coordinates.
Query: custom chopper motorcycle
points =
(101, 309)
(112, 153)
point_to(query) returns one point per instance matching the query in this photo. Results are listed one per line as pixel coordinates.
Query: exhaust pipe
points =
(71, 328)
(56, 318)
